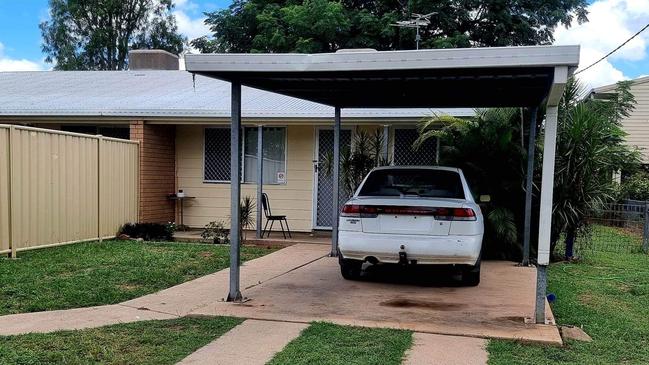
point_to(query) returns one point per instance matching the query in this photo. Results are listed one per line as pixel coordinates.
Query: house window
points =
(405, 154)
(217, 155)
(274, 155)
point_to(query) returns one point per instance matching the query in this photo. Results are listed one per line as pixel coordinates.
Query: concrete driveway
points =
(422, 300)
(300, 284)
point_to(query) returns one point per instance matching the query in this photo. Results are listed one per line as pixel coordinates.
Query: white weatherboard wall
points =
(61, 187)
(637, 124)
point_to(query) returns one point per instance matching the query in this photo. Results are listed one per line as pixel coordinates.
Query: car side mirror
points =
(485, 198)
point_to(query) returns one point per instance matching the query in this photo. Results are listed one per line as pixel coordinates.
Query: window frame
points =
(242, 153)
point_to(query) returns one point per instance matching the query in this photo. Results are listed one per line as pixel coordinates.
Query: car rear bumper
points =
(427, 250)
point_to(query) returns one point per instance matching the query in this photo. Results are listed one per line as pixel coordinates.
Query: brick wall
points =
(157, 170)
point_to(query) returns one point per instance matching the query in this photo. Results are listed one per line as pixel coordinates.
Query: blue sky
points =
(611, 22)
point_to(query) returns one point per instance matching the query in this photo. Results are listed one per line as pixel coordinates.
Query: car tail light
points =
(359, 211)
(457, 214)
(372, 211)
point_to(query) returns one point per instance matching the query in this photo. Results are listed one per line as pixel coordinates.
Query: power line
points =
(613, 51)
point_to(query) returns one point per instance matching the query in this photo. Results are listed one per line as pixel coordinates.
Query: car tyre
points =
(350, 269)
(471, 276)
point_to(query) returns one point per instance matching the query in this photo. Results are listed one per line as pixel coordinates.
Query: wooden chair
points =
(272, 218)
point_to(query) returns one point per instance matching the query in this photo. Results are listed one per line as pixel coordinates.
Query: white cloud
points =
(190, 21)
(611, 22)
(11, 64)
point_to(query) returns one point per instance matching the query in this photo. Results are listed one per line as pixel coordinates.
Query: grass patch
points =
(329, 344)
(607, 294)
(93, 273)
(150, 342)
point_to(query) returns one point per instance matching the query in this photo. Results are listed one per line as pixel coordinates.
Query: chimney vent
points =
(152, 59)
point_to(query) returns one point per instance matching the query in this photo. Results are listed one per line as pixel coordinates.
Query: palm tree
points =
(488, 150)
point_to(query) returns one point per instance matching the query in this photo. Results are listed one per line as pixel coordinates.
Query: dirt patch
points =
(129, 287)
(206, 254)
(423, 304)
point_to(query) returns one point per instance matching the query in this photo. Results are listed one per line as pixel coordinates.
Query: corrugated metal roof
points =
(160, 94)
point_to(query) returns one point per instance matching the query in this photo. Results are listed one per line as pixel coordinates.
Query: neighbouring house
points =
(182, 122)
(637, 124)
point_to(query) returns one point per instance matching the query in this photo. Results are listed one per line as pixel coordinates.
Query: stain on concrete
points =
(414, 303)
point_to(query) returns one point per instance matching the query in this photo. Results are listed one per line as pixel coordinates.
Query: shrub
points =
(636, 187)
(216, 232)
(148, 231)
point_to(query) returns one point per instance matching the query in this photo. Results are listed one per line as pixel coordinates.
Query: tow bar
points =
(403, 256)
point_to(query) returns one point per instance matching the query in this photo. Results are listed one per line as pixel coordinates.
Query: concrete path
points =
(73, 319)
(448, 350)
(170, 303)
(251, 343)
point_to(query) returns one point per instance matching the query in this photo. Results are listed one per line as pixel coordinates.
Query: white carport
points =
(447, 78)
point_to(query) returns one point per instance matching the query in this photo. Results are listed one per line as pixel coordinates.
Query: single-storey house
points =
(637, 123)
(182, 122)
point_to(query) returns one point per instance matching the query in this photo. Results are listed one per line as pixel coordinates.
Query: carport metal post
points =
(260, 176)
(235, 191)
(336, 183)
(528, 187)
(545, 214)
(386, 141)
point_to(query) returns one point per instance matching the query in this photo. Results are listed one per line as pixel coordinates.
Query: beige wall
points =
(212, 202)
(51, 190)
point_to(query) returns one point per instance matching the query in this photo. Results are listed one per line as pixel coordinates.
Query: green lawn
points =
(88, 274)
(151, 342)
(329, 344)
(607, 294)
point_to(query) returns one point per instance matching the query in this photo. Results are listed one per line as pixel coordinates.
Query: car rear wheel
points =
(350, 269)
(471, 275)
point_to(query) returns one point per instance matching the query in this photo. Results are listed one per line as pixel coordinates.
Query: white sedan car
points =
(412, 215)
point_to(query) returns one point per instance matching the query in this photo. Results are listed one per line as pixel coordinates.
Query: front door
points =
(323, 212)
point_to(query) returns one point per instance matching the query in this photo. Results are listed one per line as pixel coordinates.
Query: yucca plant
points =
(590, 148)
(358, 160)
(246, 216)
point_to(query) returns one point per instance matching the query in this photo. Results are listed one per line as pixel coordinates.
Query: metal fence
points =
(59, 187)
(619, 227)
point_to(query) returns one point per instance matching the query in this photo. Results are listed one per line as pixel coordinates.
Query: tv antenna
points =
(417, 21)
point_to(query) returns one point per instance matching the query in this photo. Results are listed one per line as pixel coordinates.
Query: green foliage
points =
(606, 295)
(246, 216)
(330, 344)
(356, 162)
(97, 34)
(147, 342)
(590, 148)
(327, 25)
(148, 231)
(93, 273)
(216, 232)
(636, 187)
(488, 148)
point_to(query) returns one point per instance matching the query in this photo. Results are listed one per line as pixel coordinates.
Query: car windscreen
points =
(417, 182)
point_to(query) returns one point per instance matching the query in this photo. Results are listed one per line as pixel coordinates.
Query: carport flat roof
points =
(451, 78)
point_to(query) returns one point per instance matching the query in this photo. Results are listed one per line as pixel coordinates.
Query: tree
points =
(97, 34)
(590, 148)
(326, 25)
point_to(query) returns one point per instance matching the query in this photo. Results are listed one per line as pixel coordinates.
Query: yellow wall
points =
(293, 199)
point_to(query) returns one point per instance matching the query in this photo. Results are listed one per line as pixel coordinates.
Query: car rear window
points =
(417, 182)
